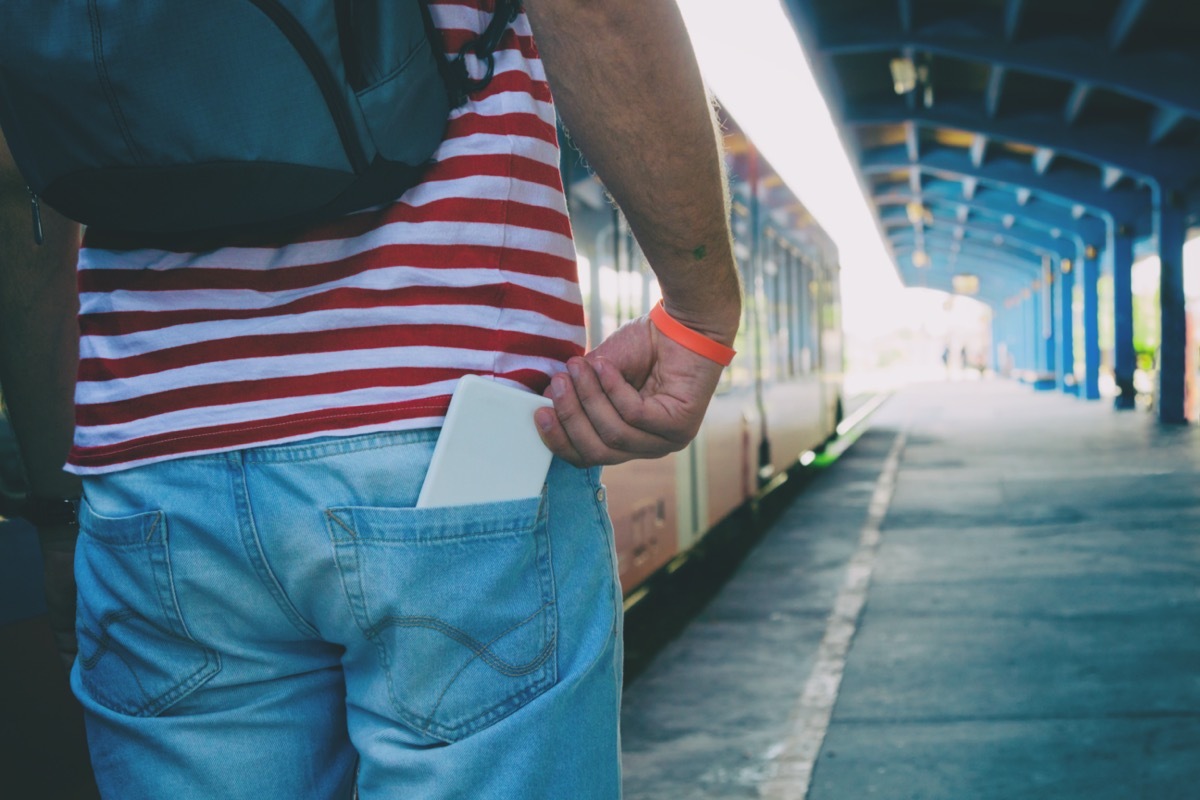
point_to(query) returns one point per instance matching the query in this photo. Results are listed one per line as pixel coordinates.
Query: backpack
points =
(225, 116)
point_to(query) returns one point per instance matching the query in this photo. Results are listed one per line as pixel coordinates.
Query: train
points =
(781, 399)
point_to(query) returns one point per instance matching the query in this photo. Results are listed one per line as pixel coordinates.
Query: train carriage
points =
(781, 397)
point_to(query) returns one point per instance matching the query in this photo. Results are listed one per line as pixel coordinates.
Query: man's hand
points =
(637, 395)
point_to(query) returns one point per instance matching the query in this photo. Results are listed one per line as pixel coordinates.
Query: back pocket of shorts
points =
(136, 656)
(459, 604)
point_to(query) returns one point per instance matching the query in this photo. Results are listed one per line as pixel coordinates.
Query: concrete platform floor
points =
(1031, 626)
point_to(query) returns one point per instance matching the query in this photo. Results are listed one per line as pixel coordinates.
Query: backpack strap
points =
(459, 83)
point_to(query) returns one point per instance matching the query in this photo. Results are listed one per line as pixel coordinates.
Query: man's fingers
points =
(555, 437)
(571, 436)
(613, 429)
(577, 426)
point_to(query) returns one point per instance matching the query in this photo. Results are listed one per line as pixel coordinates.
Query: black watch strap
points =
(47, 511)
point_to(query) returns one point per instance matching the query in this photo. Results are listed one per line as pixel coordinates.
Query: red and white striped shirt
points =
(363, 324)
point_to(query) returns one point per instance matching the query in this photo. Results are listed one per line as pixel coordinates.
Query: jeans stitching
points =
(333, 517)
(252, 545)
(309, 451)
(541, 660)
(151, 705)
(480, 649)
(614, 575)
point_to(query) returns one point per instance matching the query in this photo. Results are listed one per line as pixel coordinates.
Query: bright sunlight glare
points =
(752, 61)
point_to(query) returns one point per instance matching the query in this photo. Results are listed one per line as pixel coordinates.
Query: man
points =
(262, 612)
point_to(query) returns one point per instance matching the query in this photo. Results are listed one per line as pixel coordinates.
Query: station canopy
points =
(998, 138)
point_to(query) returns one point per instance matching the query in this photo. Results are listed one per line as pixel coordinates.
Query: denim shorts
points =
(280, 622)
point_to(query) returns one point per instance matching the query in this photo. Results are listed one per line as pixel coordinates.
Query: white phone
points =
(489, 449)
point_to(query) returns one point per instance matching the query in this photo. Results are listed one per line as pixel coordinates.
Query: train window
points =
(788, 259)
(776, 302)
(809, 290)
(799, 311)
(782, 312)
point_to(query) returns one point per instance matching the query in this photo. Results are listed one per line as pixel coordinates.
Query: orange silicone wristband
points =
(698, 343)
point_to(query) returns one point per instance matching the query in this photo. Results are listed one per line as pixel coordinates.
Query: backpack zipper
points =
(38, 234)
(323, 74)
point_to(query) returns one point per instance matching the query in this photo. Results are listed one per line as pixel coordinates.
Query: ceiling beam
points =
(1077, 102)
(1014, 11)
(1124, 21)
(1043, 157)
(1065, 185)
(912, 141)
(979, 147)
(1163, 122)
(995, 90)
(980, 242)
(1112, 144)
(988, 227)
(1043, 218)
(1160, 77)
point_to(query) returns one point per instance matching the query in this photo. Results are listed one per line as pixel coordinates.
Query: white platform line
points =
(810, 718)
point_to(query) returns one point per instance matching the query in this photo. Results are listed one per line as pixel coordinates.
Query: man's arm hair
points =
(627, 86)
(39, 334)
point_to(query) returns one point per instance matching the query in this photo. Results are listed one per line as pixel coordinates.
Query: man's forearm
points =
(39, 335)
(627, 86)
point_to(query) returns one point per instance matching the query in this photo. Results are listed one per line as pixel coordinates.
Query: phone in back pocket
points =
(489, 449)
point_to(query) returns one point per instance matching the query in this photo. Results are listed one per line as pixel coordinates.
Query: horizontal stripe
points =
(122, 323)
(397, 358)
(328, 321)
(465, 255)
(220, 437)
(230, 411)
(223, 302)
(191, 447)
(366, 338)
(253, 392)
(471, 123)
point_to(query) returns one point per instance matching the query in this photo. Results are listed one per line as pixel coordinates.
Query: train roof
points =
(782, 213)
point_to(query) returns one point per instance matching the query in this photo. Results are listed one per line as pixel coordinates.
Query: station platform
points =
(995, 593)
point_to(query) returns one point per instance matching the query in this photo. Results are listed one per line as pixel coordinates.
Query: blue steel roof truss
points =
(1021, 130)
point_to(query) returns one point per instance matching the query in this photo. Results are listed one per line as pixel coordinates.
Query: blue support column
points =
(1028, 336)
(1091, 324)
(1066, 338)
(1120, 249)
(1171, 227)
(1035, 334)
(1042, 364)
(1049, 328)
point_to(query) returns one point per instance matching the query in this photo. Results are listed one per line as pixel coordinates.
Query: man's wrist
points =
(717, 321)
(698, 343)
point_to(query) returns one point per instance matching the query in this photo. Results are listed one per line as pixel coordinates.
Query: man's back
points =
(361, 324)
